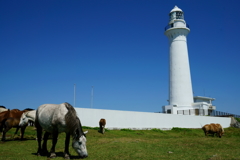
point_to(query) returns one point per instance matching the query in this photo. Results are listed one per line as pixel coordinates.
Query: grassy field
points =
(183, 144)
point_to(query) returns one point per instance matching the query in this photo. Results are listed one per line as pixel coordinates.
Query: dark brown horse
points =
(15, 113)
(102, 124)
(12, 123)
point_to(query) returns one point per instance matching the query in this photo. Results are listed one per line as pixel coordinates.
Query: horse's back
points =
(4, 115)
(16, 113)
(102, 122)
(52, 116)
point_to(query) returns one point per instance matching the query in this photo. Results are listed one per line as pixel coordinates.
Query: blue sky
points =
(119, 47)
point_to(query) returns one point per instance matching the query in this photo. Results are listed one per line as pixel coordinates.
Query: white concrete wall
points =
(145, 120)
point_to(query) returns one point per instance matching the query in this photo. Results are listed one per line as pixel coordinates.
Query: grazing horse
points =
(15, 113)
(2, 108)
(57, 118)
(102, 124)
(12, 123)
(213, 128)
(26, 117)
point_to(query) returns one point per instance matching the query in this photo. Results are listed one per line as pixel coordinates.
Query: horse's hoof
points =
(53, 155)
(66, 157)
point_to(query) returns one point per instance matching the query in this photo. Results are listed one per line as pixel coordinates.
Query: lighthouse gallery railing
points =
(169, 26)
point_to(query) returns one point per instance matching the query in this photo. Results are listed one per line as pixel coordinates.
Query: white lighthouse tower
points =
(181, 100)
(180, 85)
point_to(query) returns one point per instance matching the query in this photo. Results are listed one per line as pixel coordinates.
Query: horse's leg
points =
(15, 132)
(1, 127)
(22, 131)
(44, 145)
(4, 133)
(66, 151)
(6, 128)
(54, 142)
(39, 137)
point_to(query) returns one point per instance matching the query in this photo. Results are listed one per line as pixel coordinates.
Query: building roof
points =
(175, 9)
(206, 98)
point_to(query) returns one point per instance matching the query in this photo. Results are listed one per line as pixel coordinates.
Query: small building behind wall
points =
(203, 105)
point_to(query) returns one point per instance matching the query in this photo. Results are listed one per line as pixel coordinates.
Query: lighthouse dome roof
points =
(176, 9)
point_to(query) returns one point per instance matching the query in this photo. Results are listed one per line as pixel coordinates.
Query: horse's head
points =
(23, 120)
(79, 144)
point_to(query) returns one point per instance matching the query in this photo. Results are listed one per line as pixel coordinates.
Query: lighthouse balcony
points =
(172, 26)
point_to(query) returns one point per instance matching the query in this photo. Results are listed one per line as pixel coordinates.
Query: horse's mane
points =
(72, 121)
(2, 107)
(28, 109)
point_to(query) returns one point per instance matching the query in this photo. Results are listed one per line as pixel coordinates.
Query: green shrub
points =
(157, 130)
(176, 129)
(238, 119)
(126, 129)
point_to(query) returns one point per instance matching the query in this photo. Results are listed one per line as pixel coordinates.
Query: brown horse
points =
(15, 113)
(102, 124)
(12, 123)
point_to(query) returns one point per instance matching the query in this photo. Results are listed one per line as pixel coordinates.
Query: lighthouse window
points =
(172, 15)
(179, 15)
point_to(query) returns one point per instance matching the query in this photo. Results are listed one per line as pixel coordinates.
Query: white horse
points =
(27, 116)
(57, 118)
(2, 108)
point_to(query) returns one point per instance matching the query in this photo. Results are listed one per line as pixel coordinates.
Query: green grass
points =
(238, 119)
(126, 144)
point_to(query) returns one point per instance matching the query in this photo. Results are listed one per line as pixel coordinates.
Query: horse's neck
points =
(31, 115)
(79, 130)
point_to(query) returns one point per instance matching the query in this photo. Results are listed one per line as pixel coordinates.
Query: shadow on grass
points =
(59, 154)
(16, 139)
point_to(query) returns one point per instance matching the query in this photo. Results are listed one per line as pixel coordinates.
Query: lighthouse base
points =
(200, 108)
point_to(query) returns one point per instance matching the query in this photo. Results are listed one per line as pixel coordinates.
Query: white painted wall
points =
(145, 120)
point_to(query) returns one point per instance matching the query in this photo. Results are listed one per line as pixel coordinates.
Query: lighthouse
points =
(181, 100)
